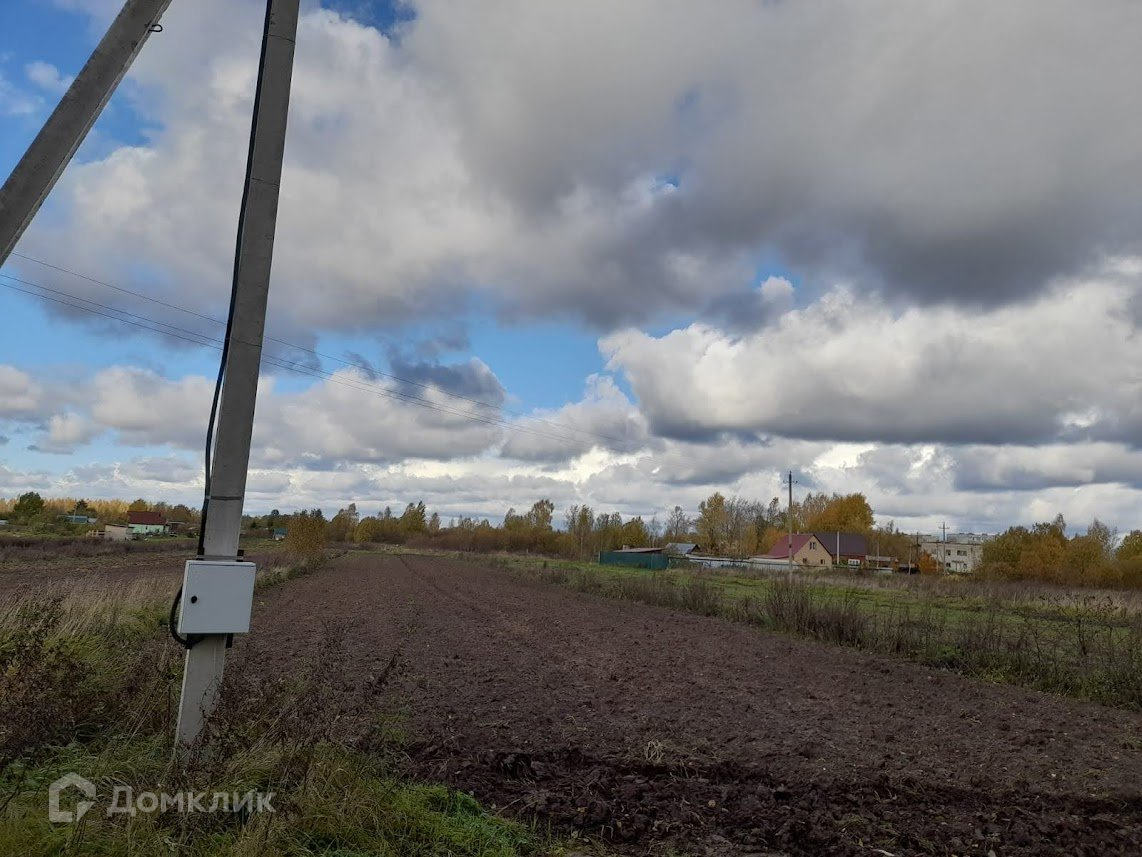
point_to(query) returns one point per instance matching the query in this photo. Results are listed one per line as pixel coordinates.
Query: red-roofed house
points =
(146, 523)
(807, 551)
(847, 548)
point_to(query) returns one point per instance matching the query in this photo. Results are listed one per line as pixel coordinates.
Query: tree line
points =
(34, 512)
(1044, 552)
(724, 526)
(732, 527)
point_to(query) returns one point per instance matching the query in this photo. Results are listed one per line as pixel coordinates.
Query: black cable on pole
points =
(172, 622)
(210, 425)
(207, 462)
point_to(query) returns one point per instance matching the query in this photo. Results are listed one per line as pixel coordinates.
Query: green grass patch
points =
(89, 685)
(327, 799)
(1079, 645)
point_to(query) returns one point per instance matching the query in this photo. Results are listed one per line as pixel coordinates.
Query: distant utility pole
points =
(44, 161)
(223, 525)
(790, 522)
(944, 547)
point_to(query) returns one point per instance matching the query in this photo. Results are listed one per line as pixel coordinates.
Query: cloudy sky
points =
(620, 253)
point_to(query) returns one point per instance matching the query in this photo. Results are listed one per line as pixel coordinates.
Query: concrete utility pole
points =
(44, 161)
(790, 522)
(205, 660)
(944, 547)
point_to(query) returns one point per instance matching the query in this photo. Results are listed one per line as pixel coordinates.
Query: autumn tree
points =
(343, 525)
(742, 518)
(1088, 556)
(415, 518)
(654, 527)
(1130, 547)
(769, 538)
(927, 563)
(368, 529)
(635, 533)
(181, 513)
(580, 524)
(678, 525)
(1105, 537)
(1083, 560)
(1128, 559)
(608, 532)
(806, 513)
(541, 514)
(711, 523)
(305, 540)
(774, 516)
(1022, 553)
(847, 513)
(887, 541)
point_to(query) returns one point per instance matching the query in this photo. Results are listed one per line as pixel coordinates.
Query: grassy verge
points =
(1081, 646)
(88, 685)
(326, 798)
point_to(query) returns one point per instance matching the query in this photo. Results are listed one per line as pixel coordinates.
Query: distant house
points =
(625, 549)
(146, 523)
(806, 548)
(3, 523)
(959, 552)
(681, 548)
(116, 533)
(845, 548)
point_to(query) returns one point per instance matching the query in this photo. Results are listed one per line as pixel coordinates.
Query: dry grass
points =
(1081, 644)
(31, 550)
(87, 606)
(88, 682)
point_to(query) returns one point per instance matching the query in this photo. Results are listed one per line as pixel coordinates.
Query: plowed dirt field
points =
(650, 729)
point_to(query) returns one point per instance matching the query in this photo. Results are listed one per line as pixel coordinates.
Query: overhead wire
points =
(195, 338)
(78, 302)
(183, 334)
(324, 356)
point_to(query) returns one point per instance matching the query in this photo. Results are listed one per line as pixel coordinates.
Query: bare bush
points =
(66, 674)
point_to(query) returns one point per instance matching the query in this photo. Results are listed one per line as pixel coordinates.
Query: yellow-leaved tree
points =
(305, 537)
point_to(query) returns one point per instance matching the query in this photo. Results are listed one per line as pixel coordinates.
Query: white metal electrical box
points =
(217, 597)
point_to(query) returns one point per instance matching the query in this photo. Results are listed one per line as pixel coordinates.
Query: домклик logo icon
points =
(58, 816)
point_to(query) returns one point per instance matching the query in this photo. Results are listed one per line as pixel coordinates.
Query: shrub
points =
(64, 676)
(89, 691)
(305, 541)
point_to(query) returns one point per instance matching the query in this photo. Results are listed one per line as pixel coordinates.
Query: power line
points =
(104, 314)
(166, 329)
(144, 322)
(118, 288)
(318, 354)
